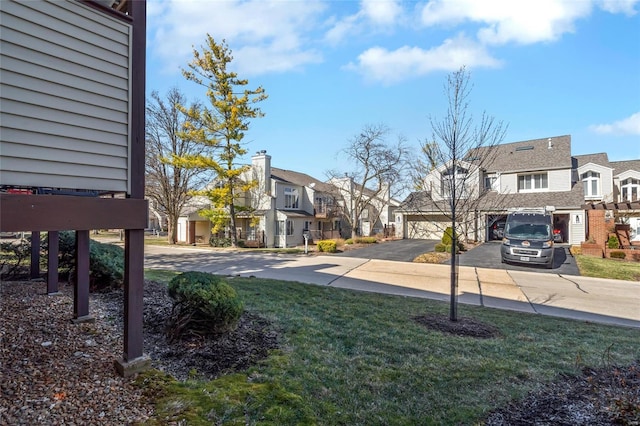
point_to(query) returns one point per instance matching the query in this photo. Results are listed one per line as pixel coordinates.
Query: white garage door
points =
(419, 228)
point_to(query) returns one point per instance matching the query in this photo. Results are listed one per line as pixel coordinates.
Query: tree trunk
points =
(234, 235)
(172, 222)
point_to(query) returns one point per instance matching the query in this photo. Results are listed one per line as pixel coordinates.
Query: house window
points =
(280, 227)
(630, 189)
(291, 198)
(453, 178)
(489, 183)
(289, 227)
(533, 182)
(307, 225)
(591, 184)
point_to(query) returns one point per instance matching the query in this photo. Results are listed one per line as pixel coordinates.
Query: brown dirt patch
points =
(466, 327)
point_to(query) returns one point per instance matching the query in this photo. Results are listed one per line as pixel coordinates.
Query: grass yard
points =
(608, 268)
(353, 358)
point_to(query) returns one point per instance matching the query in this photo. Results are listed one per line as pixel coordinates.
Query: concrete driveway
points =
(576, 297)
(398, 250)
(487, 255)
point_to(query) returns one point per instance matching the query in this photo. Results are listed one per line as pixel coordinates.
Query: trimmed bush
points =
(216, 241)
(327, 246)
(365, 240)
(106, 261)
(348, 241)
(447, 236)
(617, 255)
(106, 265)
(202, 304)
(613, 242)
(441, 248)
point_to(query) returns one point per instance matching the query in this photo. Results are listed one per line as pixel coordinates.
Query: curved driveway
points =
(487, 255)
(576, 297)
(398, 250)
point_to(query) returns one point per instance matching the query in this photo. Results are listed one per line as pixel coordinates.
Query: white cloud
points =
(390, 67)
(627, 126)
(263, 36)
(522, 21)
(618, 6)
(381, 12)
(373, 15)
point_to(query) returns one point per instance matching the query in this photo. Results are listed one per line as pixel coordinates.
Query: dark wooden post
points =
(35, 255)
(81, 290)
(134, 292)
(53, 239)
(133, 359)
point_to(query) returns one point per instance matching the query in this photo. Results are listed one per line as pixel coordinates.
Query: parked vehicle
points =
(557, 236)
(497, 230)
(528, 237)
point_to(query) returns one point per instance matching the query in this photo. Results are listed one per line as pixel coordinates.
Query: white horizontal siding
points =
(508, 183)
(64, 104)
(559, 180)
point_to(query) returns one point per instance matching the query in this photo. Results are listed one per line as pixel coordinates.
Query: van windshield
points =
(527, 231)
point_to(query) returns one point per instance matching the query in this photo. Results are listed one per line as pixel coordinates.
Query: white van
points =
(528, 237)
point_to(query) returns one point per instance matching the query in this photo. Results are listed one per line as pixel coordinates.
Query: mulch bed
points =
(466, 327)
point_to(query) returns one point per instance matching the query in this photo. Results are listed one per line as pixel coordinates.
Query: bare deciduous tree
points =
(449, 175)
(378, 166)
(169, 184)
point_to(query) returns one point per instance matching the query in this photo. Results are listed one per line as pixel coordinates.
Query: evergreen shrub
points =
(327, 246)
(202, 304)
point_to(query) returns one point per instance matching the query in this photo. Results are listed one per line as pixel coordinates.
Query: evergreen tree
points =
(222, 127)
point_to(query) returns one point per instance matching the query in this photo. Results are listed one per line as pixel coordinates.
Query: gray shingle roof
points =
(530, 155)
(560, 200)
(623, 166)
(301, 179)
(600, 159)
(421, 202)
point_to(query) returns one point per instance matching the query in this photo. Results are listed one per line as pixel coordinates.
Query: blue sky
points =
(543, 67)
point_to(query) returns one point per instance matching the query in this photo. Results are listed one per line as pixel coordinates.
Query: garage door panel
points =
(420, 229)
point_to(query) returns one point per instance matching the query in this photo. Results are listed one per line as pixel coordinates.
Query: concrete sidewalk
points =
(569, 296)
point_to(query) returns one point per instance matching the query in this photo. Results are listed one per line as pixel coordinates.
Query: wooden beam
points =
(35, 255)
(133, 293)
(81, 288)
(53, 244)
(63, 212)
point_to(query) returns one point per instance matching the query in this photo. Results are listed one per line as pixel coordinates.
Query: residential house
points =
(613, 186)
(286, 207)
(369, 212)
(527, 174)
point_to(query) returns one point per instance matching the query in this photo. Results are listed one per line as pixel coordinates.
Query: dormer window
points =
(591, 184)
(453, 177)
(533, 182)
(291, 198)
(630, 189)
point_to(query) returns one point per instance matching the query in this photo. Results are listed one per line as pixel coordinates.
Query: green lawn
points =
(353, 358)
(608, 268)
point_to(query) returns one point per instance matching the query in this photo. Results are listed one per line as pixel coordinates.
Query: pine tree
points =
(222, 127)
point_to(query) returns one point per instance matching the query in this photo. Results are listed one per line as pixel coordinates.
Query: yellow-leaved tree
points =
(221, 126)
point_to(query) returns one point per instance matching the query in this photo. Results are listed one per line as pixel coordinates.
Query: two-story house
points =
(611, 185)
(286, 206)
(534, 173)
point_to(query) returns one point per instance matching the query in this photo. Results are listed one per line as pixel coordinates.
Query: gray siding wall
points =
(64, 101)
